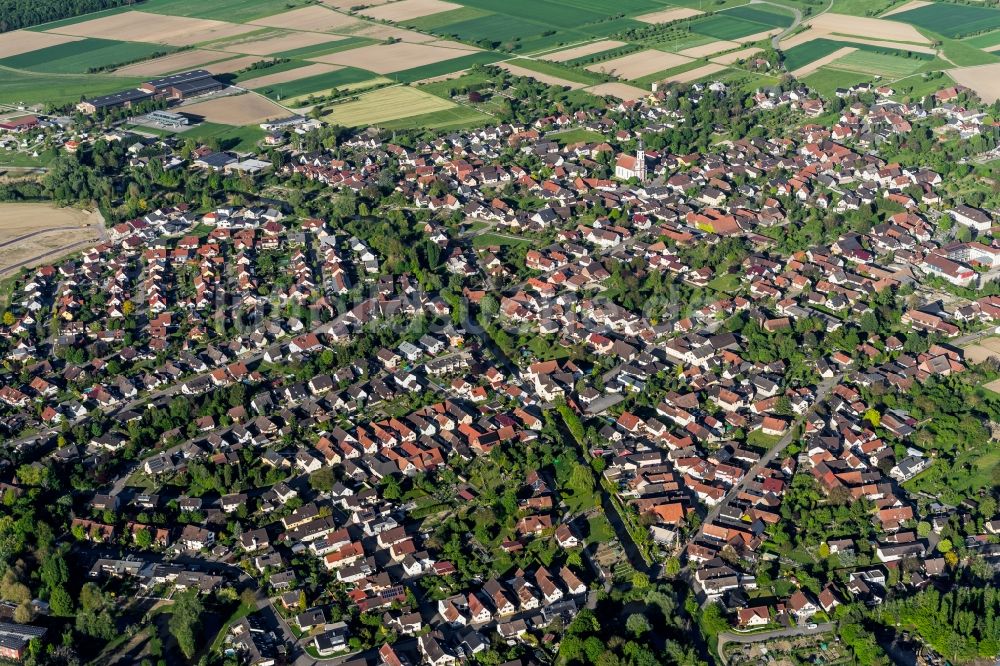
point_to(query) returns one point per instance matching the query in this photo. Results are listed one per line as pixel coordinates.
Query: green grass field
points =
(235, 11)
(311, 84)
(984, 41)
(803, 54)
(445, 67)
(26, 87)
(459, 117)
(559, 70)
(765, 15)
(78, 57)
(826, 81)
(307, 52)
(441, 19)
(867, 62)
(951, 20)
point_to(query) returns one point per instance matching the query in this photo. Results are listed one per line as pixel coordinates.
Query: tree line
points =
(16, 14)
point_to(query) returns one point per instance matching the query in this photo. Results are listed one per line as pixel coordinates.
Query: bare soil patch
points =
(825, 60)
(667, 15)
(984, 79)
(637, 65)
(730, 58)
(585, 50)
(543, 78)
(708, 49)
(248, 109)
(291, 75)
(289, 42)
(22, 41)
(387, 58)
(315, 18)
(406, 10)
(174, 62)
(154, 28)
(37, 233)
(622, 91)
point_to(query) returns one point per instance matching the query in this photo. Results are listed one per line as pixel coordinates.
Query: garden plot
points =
(543, 78)
(637, 65)
(313, 19)
(984, 79)
(622, 91)
(668, 15)
(388, 58)
(583, 51)
(154, 28)
(174, 62)
(24, 41)
(314, 69)
(406, 10)
(248, 109)
(281, 43)
(708, 49)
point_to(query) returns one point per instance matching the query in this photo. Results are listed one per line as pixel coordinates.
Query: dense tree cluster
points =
(16, 14)
(962, 624)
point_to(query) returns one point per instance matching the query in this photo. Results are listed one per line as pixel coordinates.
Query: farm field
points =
(894, 30)
(174, 62)
(141, 26)
(384, 105)
(988, 40)
(446, 67)
(446, 119)
(730, 58)
(583, 51)
(78, 57)
(235, 11)
(808, 54)
(951, 20)
(868, 62)
(556, 70)
(709, 49)
(51, 229)
(341, 76)
(22, 41)
(622, 91)
(282, 43)
(314, 18)
(827, 80)
(388, 58)
(547, 79)
(637, 65)
(984, 79)
(697, 73)
(405, 10)
(668, 15)
(246, 109)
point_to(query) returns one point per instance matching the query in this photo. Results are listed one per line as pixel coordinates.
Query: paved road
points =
(822, 390)
(727, 637)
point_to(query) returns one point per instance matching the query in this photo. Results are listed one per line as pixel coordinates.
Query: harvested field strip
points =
(384, 105)
(811, 67)
(913, 4)
(870, 28)
(446, 119)
(175, 62)
(547, 79)
(665, 74)
(344, 44)
(696, 73)
(640, 64)
(325, 81)
(900, 46)
(709, 49)
(312, 19)
(622, 91)
(295, 74)
(557, 70)
(387, 58)
(405, 10)
(80, 56)
(22, 41)
(446, 67)
(668, 15)
(295, 40)
(154, 28)
(759, 36)
(360, 86)
(730, 58)
(583, 51)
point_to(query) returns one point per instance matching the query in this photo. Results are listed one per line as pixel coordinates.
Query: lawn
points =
(487, 240)
(600, 530)
(311, 84)
(951, 20)
(577, 136)
(726, 283)
(758, 439)
(968, 473)
(78, 57)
